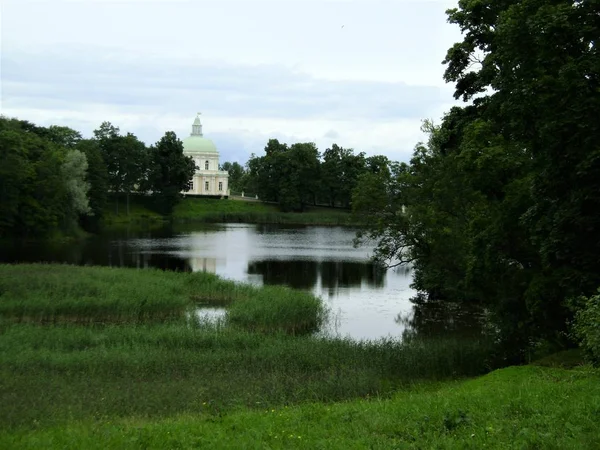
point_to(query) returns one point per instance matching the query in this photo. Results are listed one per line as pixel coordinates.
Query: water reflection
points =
(430, 319)
(365, 302)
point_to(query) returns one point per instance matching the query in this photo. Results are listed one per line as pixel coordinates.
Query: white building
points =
(208, 179)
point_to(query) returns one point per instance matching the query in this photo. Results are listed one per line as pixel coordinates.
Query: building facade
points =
(208, 179)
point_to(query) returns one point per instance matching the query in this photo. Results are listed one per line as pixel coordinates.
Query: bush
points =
(586, 327)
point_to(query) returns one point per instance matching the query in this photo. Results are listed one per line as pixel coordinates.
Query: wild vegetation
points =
(98, 342)
(501, 206)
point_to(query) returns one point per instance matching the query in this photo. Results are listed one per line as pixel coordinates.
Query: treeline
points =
(501, 206)
(295, 176)
(53, 180)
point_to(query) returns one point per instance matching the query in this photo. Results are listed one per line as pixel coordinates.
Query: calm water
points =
(365, 303)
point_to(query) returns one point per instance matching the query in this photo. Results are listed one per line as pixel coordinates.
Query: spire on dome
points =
(197, 126)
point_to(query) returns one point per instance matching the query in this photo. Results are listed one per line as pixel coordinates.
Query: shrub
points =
(586, 327)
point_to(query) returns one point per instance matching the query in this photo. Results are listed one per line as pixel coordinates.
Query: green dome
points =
(198, 144)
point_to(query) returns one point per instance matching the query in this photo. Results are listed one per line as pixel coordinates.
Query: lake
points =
(364, 302)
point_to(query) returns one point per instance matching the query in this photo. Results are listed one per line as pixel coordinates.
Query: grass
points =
(209, 210)
(109, 358)
(104, 342)
(140, 211)
(217, 211)
(513, 408)
(55, 293)
(266, 312)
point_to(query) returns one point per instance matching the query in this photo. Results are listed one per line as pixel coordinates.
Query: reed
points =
(97, 342)
(278, 309)
(49, 374)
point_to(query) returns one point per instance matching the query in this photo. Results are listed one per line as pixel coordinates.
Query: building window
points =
(206, 185)
(220, 185)
(206, 165)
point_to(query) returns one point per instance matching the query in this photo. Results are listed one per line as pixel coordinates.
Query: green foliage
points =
(340, 170)
(170, 172)
(295, 176)
(500, 207)
(541, 60)
(97, 177)
(125, 158)
(74, 171)
(236, 175)
(586, 326)
(41, 182)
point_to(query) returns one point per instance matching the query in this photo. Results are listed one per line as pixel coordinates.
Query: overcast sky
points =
(360, 73)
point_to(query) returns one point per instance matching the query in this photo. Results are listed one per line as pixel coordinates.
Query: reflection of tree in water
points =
(336, 274)
(299, 274)
(304, 274)
(92, 252)
(442, 319)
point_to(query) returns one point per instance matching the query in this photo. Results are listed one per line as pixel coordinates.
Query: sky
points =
(362, 73)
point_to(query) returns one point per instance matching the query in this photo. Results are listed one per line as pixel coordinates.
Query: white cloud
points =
(257, 70)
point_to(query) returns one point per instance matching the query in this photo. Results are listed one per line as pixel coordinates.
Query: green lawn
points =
(513, 408)
(230, 210)
(209, 210)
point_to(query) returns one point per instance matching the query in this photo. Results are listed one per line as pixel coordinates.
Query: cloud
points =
(331, 134)
(221, 88)
(269, 69)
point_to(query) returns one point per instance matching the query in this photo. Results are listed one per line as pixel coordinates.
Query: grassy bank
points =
(214, 210)
(103, 342)
(106, 358)
(513, 408)
(207, 210)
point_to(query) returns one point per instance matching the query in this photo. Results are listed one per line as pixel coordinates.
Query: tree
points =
(96, 177)
(535, 66)
(340, 170)
(34, 194)
(74, 170)
(170, 171)
(125, 158)
(236, 174)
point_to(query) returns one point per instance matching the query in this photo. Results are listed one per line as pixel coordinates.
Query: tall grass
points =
(64, 293)
(278, 309)
(92, 342)
(49, 374)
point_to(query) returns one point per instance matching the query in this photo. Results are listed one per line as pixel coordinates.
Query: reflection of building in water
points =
(203, 264)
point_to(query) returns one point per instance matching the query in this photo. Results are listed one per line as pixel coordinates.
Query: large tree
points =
(125, 157)
(170, 171)
(501, 206)
(535, 64)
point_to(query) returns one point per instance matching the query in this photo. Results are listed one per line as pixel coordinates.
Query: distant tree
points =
(236, 174)
(170, 171)
(63, 136)
(34, 199)
(125, 158)
(73, 171)
(340, 170)
(97, 178)
(15, 172)
(289, 176)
